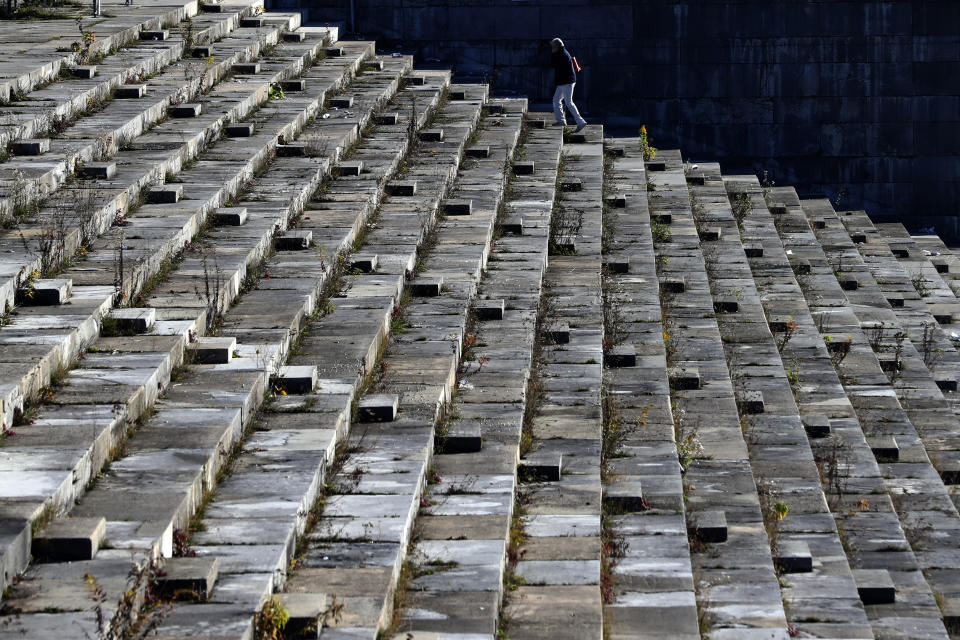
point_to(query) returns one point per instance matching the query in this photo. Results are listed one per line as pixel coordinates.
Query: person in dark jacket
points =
(564, 77)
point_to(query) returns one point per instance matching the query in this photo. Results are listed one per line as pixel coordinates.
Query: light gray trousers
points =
(564, 95)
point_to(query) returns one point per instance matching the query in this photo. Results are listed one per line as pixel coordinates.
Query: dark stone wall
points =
(862, 97)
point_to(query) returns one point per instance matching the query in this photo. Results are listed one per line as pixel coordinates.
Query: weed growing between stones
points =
(533, 394)
(140, 610)
(270, 620)
(649, 152)
(920, 283)
(661, 233)
(517, 535)
(931, 353)
(833, 458)
(741, 205)
(772, 508)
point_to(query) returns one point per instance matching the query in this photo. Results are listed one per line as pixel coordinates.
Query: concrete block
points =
(239, 130)
(294, 84)
(489, 309)
(230, 216)
(98, 170)
(618, 201)
(426, 287)
(540, 467)
(373, 65)
(87, 71)
(615, 151)
(364, 262)
(684, 378)
(512, 225)
(711, 234)
(617, 264)
(293, 36)
(656, 165)
(708, 526)
(753, 250)
(818, 223)
(624, 494)
(696, 179)
(294, 240)
(848, 283)
(816, 426)
(884, 448)
(858, 237)
(900, 251)
(777, 209)
(457, 94)
(557, 332)
(188, 578)
(165, 194)
(341, 102)
(577, 138)
(793, 556)
(46, 292)
(154, 34)
(750, 402)
(202, 51)
(494, 108)
(252, 22)
(895, 301)
(350, 168)
(874, 586)
(292, 150)
(131, 320)
(246, 68)
(458, 207)
(941, 266)
(131, 91)
(726, 304)
(661, 217)
(186, 110)
(334, 52)
(624, 355)
(30, 146)
(478, 152)
(673, 285)
(571, 184)
(305, 611)
(537, 123)
(381, 407)
(213, 350)
(524, 168)
(402, 189)
(387, 118)
(463, 438)
(70, 540)
(296, 379)
(432, 135)
(801, 266)
(946, 382)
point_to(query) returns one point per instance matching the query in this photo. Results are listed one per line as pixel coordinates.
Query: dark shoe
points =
(580, 127)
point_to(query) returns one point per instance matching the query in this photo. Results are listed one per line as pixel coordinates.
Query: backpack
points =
(577, 67)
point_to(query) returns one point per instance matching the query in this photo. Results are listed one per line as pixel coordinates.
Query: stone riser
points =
(108, 141)
(858, 416)
(292, 207)
(644, 392)
(342, 420)
(137, 275)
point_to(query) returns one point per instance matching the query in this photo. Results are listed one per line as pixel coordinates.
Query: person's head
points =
(556, 44)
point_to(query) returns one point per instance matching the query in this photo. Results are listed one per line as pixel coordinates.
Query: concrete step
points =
(862, 481)
(645, 452)
(187, 324)
(567, 422)
(771, 421)
(706, 421)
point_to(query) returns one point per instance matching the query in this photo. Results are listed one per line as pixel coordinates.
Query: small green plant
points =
(740, 202)
(649, 152)
(661, 232)
(920, 283)
(276, 92)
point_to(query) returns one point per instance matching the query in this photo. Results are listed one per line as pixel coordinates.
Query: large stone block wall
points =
(829, 96)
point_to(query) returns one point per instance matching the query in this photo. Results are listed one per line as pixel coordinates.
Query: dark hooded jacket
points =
(563, 72)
